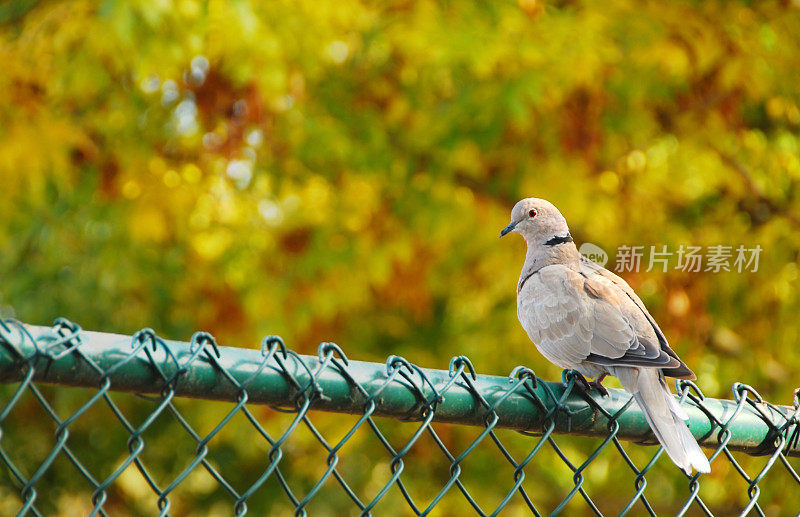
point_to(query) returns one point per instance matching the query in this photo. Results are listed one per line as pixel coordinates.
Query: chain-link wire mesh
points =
(115, 453)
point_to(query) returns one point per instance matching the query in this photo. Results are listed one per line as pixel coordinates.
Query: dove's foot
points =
(598, 385)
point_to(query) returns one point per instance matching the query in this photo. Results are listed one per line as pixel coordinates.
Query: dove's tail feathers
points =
(665, 416)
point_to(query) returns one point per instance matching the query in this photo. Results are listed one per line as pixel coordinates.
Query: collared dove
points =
(583, 317)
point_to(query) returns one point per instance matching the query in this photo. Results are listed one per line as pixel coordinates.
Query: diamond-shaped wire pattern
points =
(114, 453)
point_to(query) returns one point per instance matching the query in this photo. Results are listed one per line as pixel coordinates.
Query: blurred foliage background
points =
(339, 171)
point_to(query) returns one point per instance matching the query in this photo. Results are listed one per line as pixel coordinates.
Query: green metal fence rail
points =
(65, 355)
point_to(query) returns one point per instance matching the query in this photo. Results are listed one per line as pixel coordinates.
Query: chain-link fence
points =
(89, 449)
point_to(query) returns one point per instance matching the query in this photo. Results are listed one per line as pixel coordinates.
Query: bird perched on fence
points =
(583, 317)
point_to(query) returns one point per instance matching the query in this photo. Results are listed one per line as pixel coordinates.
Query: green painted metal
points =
(65, 355)
(277, 383)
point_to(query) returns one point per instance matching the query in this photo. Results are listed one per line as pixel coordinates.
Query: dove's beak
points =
(508, 229)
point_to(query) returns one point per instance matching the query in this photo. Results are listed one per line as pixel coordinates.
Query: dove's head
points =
(538, 221)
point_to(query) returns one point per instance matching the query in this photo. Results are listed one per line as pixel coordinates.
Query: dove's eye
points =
(532, 212)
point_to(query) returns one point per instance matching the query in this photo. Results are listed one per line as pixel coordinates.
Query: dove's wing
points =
(636, 313)
(575, 319)
(554, 317)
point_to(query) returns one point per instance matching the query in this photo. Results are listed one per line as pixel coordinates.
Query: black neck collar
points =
(559, 239)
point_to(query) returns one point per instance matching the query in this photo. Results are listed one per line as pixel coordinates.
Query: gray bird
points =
(583, 317)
